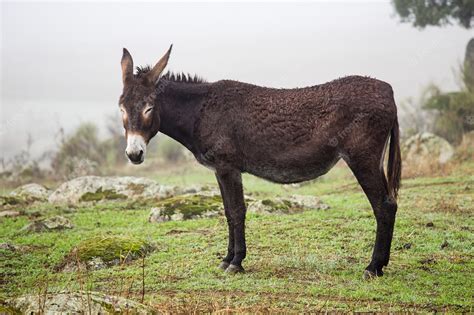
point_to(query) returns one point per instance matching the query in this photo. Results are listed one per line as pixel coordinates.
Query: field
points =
(312, 261)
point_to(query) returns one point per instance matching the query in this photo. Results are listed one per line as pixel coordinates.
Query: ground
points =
(311, 261)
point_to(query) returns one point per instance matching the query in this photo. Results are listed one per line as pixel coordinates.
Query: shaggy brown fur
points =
(282, 135)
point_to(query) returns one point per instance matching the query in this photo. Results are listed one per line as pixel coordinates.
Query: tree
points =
(455, 110)
(422, 13)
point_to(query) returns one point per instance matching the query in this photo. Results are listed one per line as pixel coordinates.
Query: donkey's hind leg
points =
(370, 175)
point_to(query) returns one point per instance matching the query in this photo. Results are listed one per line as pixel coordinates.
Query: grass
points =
(310, 261)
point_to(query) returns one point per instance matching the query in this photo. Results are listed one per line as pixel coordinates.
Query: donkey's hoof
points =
(223, 265)
(234, 269)
(368, 275)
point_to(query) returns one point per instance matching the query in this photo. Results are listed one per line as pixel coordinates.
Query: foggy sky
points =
(61, 61)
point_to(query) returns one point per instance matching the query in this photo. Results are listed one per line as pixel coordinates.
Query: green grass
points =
(309, 261)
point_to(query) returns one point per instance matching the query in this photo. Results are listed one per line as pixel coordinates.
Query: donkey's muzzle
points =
(136, 147)
(135, 157)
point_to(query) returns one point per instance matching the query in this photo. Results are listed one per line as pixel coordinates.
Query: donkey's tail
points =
(394, 168)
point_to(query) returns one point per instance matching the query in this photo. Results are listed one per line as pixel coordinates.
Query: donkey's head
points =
(140, 113)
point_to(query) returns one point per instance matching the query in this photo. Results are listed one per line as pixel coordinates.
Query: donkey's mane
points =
(171, 76)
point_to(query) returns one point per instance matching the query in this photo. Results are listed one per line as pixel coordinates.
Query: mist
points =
(61, 61)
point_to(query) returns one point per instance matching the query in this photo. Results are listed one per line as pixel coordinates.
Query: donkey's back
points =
(293, 135)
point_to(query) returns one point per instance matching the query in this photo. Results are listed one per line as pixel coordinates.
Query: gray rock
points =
(187, 207)
(209, 205)
(9, 214)
(293, 204)
(8, 246)
(51, 224)
(76, 303)
(96, 263)
(425, 148)
(308, 202)
(95, 188)
(32, 192)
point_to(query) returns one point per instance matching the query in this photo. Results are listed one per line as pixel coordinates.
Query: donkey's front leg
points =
(230, 245)
(230, 184)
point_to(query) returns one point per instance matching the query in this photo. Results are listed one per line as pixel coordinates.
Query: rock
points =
(208, 205)
(76, 303)
(9, 214)
(96, 263)
(14, 248)
(207, 189)
(427, 147)
(8, 246)
(96, 188)
(104, 251)
(32, 192)
(12, 201)
(308, 202)
(293, 204)
(407, 246)
(186, 207)
(444, 245)
(51, 224)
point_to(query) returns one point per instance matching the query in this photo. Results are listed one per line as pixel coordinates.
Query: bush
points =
(170, 150)
(81, 153)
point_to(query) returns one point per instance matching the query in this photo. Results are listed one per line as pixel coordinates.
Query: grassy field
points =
(312, 261)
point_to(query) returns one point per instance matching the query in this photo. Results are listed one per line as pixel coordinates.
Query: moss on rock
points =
(109, 249)
(277, 205)
(190, 206)
(137, 189)
(6, 201)
(102, 195)
(280, 205)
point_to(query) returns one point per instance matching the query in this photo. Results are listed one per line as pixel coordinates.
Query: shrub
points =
(170, 150)
(81, 153)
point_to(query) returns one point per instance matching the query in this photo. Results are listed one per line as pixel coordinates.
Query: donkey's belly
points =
(291, 173)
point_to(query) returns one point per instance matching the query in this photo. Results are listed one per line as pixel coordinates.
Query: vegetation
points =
(109, 248)
(454, 111)
(190, 206)
(309, 261)
(422, 13)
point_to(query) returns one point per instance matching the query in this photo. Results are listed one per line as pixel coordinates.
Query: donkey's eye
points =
(148, 110)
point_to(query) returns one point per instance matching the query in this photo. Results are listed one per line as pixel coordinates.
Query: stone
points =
(308, 202)
(50, 224)
(9, 214)
(427, 147)
(293, 204)
(75, 303)
(97, 188)
(187, 207)
(209, 205)
(8, 246)
(103, 251)
(32, 192)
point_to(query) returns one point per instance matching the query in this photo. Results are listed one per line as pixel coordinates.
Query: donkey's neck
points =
(180, 109)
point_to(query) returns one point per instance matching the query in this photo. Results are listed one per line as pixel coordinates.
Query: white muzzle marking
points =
(136, 148)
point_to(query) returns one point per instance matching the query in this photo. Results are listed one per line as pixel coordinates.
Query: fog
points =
(60, 62)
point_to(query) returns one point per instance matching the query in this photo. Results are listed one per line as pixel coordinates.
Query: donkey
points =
(281, 135)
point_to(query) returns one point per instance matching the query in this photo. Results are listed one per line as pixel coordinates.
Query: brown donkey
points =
(282, 135)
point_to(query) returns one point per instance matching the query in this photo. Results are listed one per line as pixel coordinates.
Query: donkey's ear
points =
(127, 66)
(160, 66)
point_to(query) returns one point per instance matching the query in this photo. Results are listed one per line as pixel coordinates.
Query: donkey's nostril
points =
(135, 157)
